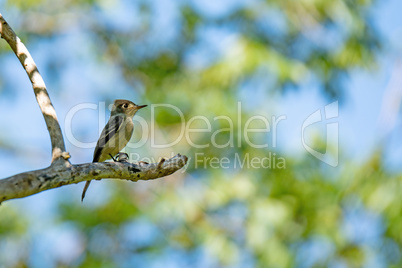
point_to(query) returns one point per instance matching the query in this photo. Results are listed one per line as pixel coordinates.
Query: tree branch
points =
(33, 182)
(39, 87)
(61, 172)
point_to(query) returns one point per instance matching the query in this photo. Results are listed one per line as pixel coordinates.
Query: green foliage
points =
(239, 217)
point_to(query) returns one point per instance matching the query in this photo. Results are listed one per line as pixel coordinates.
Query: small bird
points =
(116, 133)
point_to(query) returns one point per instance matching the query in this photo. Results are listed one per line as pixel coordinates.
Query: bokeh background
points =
(277, 58)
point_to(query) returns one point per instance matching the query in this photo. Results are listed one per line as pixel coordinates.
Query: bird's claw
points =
(122, 157)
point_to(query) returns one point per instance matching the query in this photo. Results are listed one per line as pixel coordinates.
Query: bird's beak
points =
(141, 106)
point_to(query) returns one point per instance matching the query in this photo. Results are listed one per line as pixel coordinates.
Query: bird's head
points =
(126, 107)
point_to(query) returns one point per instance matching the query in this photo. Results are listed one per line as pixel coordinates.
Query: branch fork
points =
(61, 171)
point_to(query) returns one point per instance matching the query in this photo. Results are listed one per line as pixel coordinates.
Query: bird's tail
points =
(85, 190)
(88, 182)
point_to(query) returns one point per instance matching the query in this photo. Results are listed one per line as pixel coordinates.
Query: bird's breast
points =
(129, 129)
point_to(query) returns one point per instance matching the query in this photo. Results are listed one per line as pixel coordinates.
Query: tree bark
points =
(32, 182)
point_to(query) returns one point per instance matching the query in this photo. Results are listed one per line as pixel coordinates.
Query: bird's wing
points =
(111, 128)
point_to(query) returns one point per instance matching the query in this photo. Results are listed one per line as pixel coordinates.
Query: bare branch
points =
(39, 88)
(29, 183)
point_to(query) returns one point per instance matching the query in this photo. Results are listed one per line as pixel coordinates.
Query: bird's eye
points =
(125, 105)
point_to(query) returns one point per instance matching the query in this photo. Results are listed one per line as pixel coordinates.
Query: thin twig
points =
(161, 162)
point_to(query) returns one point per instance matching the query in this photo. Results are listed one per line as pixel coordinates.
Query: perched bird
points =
(116, 133)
